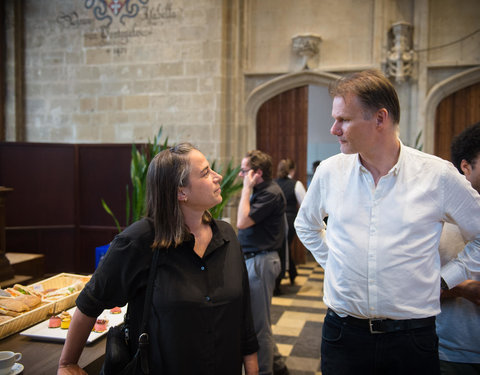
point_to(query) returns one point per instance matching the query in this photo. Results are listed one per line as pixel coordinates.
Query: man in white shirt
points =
(386, 205)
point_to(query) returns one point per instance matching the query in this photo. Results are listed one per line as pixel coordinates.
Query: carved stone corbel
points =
(307, 47)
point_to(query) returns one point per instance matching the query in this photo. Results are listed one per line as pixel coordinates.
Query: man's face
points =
(472, 173)
(245, 167)
(354, 132)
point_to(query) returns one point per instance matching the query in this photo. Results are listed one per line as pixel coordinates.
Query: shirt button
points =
(207, 298)
(202, 268)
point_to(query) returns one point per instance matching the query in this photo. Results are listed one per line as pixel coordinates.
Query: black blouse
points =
(201, 320)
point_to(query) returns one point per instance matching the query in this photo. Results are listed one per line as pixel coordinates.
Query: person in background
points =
(261, 232)
(315, 164)
(458, 325)
(386, 204)
(201, 321)
(294, 192)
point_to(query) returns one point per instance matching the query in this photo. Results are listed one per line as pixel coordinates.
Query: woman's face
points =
(203, 190)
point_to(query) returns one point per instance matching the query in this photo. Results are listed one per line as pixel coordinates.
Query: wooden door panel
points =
(282, 131)
(455, 113)
(282, 126)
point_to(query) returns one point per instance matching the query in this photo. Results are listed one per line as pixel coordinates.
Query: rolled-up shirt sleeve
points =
(113, 283)
(462, 207)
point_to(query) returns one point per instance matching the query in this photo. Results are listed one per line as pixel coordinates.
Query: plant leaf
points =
(109, 211)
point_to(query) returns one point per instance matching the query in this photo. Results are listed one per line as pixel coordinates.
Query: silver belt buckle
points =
(370, 325)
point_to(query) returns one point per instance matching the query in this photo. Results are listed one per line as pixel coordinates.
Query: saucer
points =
(17, 368)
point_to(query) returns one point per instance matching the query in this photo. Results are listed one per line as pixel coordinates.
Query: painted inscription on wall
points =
(108, 20)
(108, 9)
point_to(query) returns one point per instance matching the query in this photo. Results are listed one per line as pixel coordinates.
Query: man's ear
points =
(466, 168)
(381, 117)
(259, 172)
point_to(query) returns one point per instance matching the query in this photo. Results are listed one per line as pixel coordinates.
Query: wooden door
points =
(282, 130)
(455, 113)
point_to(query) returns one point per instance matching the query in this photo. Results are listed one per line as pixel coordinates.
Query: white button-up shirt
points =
(380, 251)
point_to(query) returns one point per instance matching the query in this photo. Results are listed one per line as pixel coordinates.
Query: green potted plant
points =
(135, 200)
(229, 186)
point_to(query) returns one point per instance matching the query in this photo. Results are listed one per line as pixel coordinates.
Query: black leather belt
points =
(384, 325)
(251, 254)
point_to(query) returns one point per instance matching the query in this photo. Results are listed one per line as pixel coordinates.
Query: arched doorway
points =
(455, 113)
(282, 125)
(434, 114)
(278, 116)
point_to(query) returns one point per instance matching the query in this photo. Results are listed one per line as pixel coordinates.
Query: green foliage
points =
(135, 200)
(229, 186)
(141, 157)
(418, 145)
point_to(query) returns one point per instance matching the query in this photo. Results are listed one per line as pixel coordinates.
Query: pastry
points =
(116, 310)
(54, 322)
(100, 325)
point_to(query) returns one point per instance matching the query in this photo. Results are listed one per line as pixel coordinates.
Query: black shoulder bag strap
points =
(143, 340)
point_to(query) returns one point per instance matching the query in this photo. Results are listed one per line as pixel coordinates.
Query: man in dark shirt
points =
(261, 224)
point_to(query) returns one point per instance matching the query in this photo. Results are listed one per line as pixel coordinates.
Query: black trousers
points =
(353, 350)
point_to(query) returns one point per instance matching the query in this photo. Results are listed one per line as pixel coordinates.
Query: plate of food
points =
(56, 327)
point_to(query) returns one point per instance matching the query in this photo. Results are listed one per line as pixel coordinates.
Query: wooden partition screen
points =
(55, 208)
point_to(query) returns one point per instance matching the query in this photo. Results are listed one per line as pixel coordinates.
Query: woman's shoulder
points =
(140, 231)
(223, 225)
(225, 229)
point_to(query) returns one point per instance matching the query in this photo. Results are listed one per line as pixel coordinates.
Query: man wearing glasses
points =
(261, 224)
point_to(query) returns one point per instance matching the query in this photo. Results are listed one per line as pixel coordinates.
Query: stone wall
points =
(355, 36)
(192, 65)
(93, 76)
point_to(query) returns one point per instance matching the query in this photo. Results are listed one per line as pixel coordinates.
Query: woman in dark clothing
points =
(200, 322)
(294, 192)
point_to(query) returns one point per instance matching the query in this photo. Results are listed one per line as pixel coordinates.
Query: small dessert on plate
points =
(115, 310)
(66, 318)
(100, 325)
(54, 322)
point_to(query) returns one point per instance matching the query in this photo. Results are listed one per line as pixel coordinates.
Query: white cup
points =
(7, 360)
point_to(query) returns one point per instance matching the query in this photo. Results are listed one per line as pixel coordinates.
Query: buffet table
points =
(28, 331)
(41, 358)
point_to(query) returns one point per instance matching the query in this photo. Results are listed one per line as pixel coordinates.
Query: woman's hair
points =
(373, 89)
(284, 168)
(168, 171)
(260, 160)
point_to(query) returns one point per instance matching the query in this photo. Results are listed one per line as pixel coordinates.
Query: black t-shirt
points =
(201, 320)
(267, 209)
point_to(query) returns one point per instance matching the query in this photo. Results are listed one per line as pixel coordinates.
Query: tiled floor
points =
(297, 318)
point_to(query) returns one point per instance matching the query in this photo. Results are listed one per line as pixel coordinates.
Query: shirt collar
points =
(394, 170)
(261, 185)
(218, 238)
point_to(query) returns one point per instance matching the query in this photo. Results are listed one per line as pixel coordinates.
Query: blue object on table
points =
(100, 253)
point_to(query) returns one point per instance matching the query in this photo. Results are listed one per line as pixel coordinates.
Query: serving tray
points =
(43, 333)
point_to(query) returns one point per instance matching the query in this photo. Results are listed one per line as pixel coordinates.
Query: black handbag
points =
(118, 360)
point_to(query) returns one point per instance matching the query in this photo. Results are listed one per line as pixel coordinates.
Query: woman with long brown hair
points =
(200, 319)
